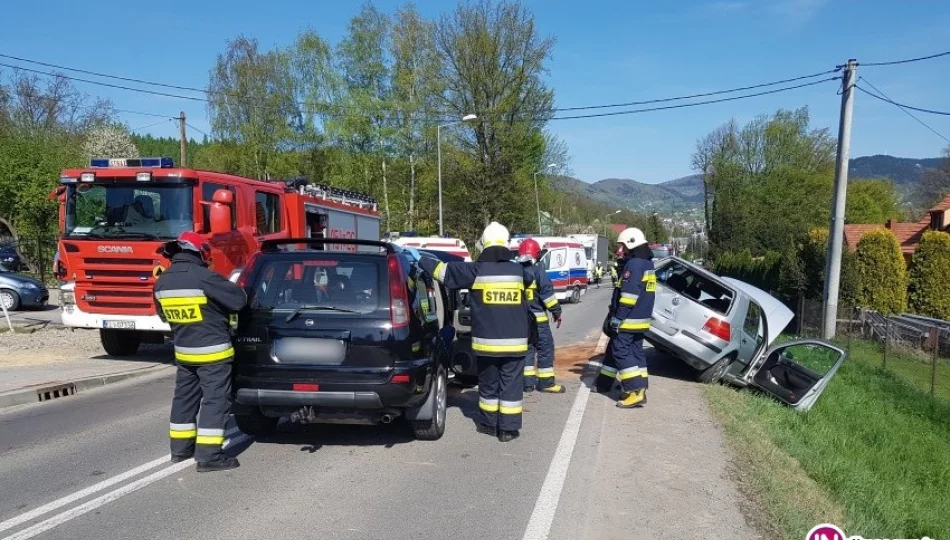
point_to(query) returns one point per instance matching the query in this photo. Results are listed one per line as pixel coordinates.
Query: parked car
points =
(10, 258)
(330, 336)
(19, 291)
(723, 328)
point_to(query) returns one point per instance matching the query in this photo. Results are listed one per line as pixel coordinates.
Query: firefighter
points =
(613, 273)
(501, 328)
(631, 310)
(598, 274)
(541, 300)
(199, 305)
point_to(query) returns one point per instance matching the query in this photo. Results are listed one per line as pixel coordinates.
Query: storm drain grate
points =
(53, 392)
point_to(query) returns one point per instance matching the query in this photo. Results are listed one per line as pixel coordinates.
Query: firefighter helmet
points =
(495, 234)
(529, 250)
(188, 241)
(631, 238)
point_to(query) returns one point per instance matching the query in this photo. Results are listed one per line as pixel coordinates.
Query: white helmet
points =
(631, 238)
(495, 234)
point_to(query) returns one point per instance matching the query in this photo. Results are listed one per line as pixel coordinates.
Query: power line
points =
(198, 130)
(707, 102)
(901, 105)
(573, 117)
(905, 61)
(152, 125)
(207, 92)
(98, 74)
(126, 111)
(705, 94)
(908, 113)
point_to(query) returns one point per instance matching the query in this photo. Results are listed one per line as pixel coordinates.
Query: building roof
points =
(617, 227)
(908, 234)
(942, 205)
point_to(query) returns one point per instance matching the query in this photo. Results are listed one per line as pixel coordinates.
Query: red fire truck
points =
(116, 214)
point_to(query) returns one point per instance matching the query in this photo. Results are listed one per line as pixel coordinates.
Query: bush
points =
(929, 290)
(763, 272)
(880, 273)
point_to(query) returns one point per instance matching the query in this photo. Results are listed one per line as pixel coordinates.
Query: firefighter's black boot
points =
(178, 458)
(222, 464)
(507, 436)
(486, 430)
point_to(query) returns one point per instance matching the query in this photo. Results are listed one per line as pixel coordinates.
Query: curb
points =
(31, 394)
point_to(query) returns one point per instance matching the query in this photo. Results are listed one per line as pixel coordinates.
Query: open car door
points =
(795, 372)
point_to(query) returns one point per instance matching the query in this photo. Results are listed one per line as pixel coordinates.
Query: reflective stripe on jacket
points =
(198, 304)
(633, 299)
(498, 300)
(540, 293)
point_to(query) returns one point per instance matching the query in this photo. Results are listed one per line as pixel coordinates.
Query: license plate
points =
(119, 325)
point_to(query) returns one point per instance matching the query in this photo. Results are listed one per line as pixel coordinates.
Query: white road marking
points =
(539, 526)
(59, 519)
(102, 500)
(69, 499)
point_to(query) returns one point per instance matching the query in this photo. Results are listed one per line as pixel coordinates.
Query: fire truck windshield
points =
(133, 211)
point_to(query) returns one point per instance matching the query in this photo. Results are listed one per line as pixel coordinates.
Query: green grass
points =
(873, 455)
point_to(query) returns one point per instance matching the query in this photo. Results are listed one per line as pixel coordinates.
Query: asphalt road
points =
(95, 466)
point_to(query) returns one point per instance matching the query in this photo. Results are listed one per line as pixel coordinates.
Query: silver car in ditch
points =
(724, 328)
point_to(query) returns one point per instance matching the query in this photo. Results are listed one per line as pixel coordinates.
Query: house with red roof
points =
(907, 234)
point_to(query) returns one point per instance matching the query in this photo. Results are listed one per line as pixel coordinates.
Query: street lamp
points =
(607, 217)
(438, 143)
(536, 196)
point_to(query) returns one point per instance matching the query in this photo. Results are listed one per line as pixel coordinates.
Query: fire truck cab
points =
(116, 215)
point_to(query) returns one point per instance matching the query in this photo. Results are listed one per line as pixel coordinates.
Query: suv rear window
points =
(326, 279)
(695, 286)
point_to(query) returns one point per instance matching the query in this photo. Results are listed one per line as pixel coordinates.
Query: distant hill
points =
(906, 173)
(685, 195)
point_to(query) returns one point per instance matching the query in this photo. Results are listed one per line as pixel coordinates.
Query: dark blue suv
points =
(339, 336)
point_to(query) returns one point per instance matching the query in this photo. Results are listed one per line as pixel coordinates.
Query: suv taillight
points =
(398, 296)
(719, 328)
(246, 272)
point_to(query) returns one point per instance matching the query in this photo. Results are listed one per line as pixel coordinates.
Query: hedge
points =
(880, 273)
(929, 289)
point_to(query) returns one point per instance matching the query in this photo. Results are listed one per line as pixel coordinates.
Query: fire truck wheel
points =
(120, 342)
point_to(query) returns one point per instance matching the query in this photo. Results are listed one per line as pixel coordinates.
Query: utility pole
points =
(184, 139)
(836, 228)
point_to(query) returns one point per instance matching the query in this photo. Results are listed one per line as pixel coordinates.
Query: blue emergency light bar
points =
(113, 163)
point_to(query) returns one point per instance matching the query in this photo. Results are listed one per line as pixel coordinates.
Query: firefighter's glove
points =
(558, 321)
(614, 323)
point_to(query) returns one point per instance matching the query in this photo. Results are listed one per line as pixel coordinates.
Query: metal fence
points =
(914, 348)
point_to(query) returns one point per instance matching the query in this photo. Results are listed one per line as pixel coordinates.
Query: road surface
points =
(95, 466)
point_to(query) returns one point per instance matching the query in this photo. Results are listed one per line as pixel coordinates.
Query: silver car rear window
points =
(695, 286)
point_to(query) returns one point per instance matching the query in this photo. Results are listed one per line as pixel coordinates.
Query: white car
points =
(723, 328)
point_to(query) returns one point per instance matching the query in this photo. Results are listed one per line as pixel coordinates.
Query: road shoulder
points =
(663, 471)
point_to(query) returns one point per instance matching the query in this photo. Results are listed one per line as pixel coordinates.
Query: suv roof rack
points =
(272, 245)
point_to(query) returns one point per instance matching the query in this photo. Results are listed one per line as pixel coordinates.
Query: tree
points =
(252, 104)
(111, 140)
(928, 291)
(935, 184)
(758, 172)
(494, 65)
(880, 273)
(416, 88)
(872, 201)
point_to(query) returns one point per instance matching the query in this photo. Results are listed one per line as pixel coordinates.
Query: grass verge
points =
(872, 456)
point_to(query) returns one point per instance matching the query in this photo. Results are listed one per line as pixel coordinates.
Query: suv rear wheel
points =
(433, 429)
(256, 424)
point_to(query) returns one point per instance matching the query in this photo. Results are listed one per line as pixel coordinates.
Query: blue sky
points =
(607, 51)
